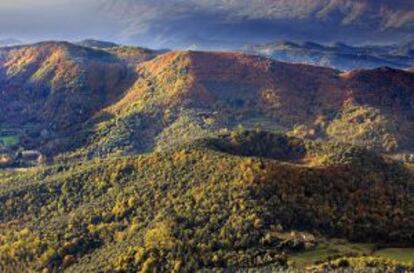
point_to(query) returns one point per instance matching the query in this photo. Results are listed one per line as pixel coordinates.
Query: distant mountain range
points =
(9, 42)
(225, 24)
(97, 43)
(339, 55)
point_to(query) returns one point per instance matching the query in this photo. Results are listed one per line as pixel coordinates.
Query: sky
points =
(30, 20)
(209, 23)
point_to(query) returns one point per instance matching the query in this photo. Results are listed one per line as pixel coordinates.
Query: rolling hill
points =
(199, 93)
(236, 201)
(67, 96)
(49, 89)
(122, 159)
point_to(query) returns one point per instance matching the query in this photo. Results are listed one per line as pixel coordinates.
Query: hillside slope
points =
(201, 206)
(181, 95)
(200, 162)
(58, 97)
(50, 89)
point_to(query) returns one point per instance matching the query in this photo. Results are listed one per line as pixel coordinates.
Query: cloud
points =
(181, 23)
(54, 19)
(207, 23)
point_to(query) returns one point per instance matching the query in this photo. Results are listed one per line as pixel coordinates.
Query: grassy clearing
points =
(309, 257)
(261, 123)
(329, 249)
(335, 248)
(9, 140)
(410, 166)
(9, 137)
(397, 254)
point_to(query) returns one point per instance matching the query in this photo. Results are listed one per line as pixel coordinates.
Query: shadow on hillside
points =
(258, 144)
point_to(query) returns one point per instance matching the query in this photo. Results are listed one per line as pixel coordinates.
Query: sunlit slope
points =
(185, 95)
(48, 90)
(203, 205)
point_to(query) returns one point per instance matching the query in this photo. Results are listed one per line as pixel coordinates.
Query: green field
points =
(9, 140)
(334, 248)
(330, 249)
(265, 124)
(9, 136)
(397, 254)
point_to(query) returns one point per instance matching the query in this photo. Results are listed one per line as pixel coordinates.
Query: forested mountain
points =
(124, 159)
(49, 89)
(139, 97)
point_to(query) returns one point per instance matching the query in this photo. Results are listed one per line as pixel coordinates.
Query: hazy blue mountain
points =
(228, 24)
(9, 42)
(97, 43)
(338, 55)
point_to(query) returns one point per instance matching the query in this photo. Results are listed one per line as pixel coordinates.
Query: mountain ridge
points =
(338, 55)
(229, 87)
(122, 159)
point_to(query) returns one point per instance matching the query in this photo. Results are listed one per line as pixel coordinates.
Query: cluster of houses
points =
(405, 157)
(25, 158)
(409, 158)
